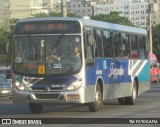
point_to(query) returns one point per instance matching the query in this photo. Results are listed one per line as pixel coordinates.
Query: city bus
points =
(62, 60)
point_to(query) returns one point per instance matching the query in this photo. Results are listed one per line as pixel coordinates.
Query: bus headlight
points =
(75, 85)
(19, 86)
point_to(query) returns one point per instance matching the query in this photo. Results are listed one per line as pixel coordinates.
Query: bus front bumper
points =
(76, 96)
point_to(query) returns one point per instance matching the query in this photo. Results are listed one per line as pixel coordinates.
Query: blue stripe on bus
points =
(114, 71)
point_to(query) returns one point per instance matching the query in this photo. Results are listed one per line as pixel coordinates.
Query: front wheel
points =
(98, 103)
(35, 108)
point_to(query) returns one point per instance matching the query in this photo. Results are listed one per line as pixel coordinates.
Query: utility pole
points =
(150, 25)
(63, 8)
(153, 8)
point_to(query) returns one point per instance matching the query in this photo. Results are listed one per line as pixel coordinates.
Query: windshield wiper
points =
(33, 44)
(59, 39)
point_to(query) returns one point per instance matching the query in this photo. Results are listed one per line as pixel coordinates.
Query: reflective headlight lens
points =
(19, 86)
(75, 85)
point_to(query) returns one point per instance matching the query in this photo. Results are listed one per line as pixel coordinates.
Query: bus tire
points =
(131, 100)
(122, 101)
(95, 106)
(35, 108)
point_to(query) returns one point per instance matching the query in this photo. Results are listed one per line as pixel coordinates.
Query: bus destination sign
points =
(33, 27)
(47, 27)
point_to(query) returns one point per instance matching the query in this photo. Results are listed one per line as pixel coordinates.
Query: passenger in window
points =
(55, 57)
(134, 54)
(141, 53)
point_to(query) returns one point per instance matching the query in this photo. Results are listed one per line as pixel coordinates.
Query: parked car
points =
(3, 70)
(5, 87)
(154, 68)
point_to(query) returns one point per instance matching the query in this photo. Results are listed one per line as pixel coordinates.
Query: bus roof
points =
(93, 23)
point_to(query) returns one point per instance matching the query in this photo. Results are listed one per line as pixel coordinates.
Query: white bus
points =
(78, 61)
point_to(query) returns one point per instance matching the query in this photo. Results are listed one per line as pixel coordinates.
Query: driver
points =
(56, 57)
(77, 52)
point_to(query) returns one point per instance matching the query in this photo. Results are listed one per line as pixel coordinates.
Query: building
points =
(81, 7)
(20, 8)
(41, 6)
(24, 9)
(4, 13)
(156, 15)
(135, 10)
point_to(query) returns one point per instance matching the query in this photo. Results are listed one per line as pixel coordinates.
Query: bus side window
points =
(98, 41)
(117, 45)
(142, 47)
(146, 48)
(89, 47)
(134, 44)
(125, 45)
(107, 44)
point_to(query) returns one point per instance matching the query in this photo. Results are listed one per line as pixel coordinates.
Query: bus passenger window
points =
(117, 45)
(99, 46)
(134, 44)
(89, 44)
(107, 44)
(125, 45)
(142, 47)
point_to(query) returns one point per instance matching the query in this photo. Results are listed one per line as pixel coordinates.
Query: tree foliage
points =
(113, 17)
(3, 55)
(156, 40)
(6, 37)
(53, 14)
(2, 40)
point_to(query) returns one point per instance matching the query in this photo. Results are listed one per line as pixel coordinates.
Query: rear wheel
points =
(35, 108)
(95, 106)
(131, 100)
(122, 101)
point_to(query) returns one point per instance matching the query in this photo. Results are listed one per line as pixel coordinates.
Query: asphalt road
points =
(147, 106)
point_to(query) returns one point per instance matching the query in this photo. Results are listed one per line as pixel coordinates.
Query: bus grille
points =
(52, 84)
(46, 96)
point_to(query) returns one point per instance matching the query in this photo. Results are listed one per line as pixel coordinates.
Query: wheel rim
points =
(98, 97)
(134, 91)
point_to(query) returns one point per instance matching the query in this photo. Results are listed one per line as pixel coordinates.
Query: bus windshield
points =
(47, 55)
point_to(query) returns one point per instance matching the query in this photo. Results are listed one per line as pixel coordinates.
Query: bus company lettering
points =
(115, 71)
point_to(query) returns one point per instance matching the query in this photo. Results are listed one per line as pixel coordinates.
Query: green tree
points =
(3, 54)
(156, 40)
(53, 14)
(39, 15)
(113, 17)
(6, 40)
(2, 40)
